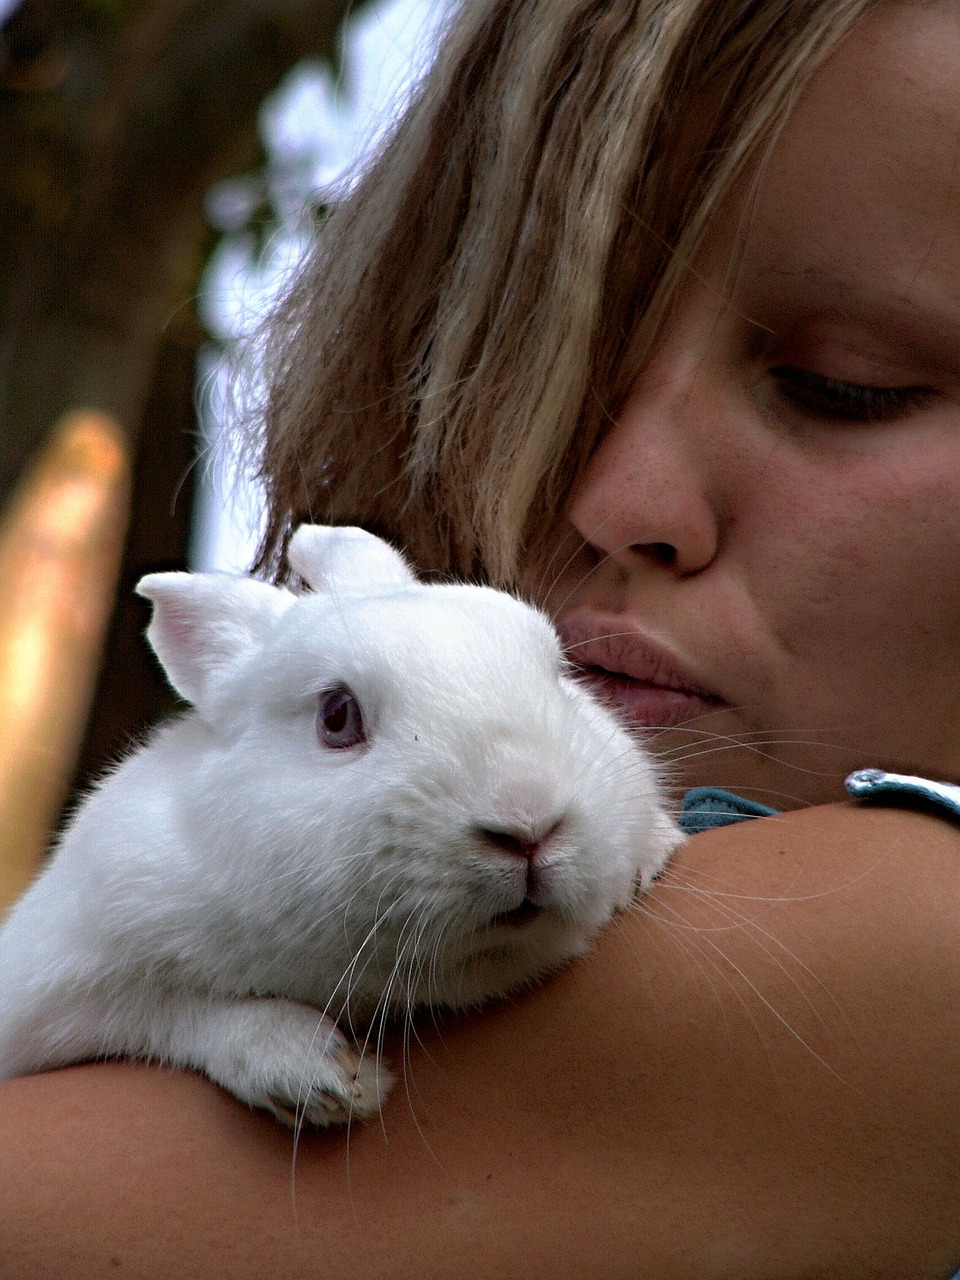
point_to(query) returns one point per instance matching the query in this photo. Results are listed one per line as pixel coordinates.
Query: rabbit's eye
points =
(339, 721)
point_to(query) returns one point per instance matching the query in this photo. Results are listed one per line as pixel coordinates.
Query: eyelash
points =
(847, 401)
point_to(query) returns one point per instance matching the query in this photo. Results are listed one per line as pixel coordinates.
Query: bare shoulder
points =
(839, 924)
(892, 873)
(867, 895)
(752, 1075)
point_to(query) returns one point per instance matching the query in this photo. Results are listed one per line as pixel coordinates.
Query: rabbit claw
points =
(291, 1060)
(339, 1085)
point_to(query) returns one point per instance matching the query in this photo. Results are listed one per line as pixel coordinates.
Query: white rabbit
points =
(388, 794)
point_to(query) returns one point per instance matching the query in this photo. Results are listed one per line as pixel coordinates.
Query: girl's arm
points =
(755, 1076)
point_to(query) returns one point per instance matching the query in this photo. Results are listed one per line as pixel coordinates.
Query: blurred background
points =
(162, 164)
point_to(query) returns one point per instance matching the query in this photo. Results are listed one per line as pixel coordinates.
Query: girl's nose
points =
(650, 494)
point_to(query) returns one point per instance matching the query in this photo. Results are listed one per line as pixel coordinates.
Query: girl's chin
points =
(704, 742)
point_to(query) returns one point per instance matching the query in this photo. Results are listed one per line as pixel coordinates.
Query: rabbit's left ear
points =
(203, 622)
(329, 557)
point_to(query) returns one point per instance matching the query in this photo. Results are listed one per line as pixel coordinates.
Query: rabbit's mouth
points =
(518, 917)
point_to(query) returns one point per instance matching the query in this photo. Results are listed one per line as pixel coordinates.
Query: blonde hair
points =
(474, 311)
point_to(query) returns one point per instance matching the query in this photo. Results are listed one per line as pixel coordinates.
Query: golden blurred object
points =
(61, 538)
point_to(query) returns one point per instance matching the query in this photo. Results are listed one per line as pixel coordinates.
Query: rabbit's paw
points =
(342, 1084)
(292, 1060)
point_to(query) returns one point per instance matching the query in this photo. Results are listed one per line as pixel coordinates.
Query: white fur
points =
(235, 896)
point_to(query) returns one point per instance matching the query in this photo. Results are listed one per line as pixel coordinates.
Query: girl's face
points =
(772, 525)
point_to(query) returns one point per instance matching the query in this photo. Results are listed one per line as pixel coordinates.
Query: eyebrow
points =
(931, 324)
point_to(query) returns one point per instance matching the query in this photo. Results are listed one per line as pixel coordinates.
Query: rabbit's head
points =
(406, 770)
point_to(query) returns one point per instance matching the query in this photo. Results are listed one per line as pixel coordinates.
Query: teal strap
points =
(877, 784)
(703, 808)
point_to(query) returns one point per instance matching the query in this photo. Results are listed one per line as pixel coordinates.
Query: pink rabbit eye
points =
(339, 722)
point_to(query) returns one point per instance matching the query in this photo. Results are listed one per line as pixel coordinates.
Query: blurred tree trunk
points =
(116, 116)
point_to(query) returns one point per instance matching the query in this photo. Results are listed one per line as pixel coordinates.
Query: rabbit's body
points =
(388, 795)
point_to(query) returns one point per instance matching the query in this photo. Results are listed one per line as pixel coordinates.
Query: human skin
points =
(753, 1077)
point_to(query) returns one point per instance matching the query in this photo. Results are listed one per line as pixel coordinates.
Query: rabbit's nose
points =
(520, 841)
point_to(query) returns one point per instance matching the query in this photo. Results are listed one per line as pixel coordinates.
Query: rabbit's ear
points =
(347, 558)
(202, 622)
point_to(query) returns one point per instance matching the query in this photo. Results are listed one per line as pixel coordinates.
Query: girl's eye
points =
(847, 401)
(339, 720)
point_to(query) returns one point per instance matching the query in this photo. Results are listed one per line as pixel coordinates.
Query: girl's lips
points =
(641, 680)
(646, 705)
